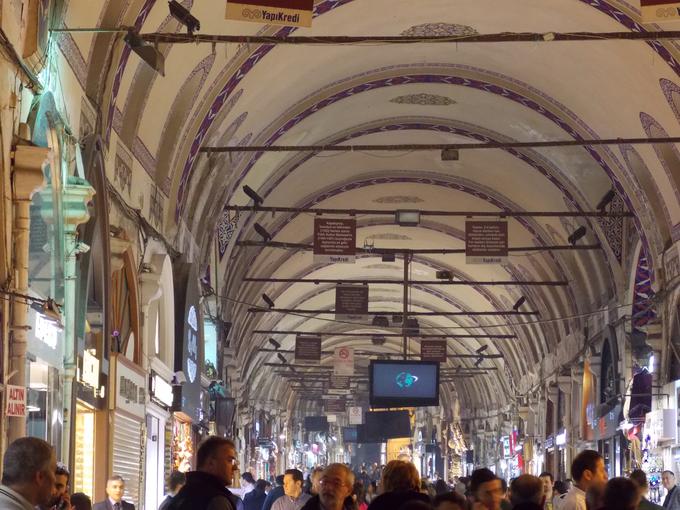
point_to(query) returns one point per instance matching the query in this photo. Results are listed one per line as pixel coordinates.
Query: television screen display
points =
(316, 424)
(404, 383)
(380, 426)
(349, 435)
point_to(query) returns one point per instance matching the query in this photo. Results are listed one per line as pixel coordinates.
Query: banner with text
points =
(335, 241)
(343, 361)
(433, 350)
(351, 301)
(654, 11)
(307, 349)
(292, 13)
(486, 242)
(16, 401)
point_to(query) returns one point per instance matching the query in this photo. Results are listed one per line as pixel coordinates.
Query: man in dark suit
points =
(115, 488)
(672, 499)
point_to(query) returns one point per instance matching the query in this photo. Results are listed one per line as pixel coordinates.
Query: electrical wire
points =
(492, 326)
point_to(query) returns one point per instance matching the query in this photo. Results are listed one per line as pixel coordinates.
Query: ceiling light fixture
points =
(282, 358)
(268, 300)
(147, 52)
(606, 200)
(253, 194)
(275, 343)
(266, 236)
(182, 14)
(578, 234)
(450, 155)
(407, 218)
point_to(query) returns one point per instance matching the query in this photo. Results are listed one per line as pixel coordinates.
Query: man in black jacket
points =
(115, 488)
(206, 488)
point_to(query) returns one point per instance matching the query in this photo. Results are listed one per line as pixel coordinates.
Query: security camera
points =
(179, 378)
(181, 14)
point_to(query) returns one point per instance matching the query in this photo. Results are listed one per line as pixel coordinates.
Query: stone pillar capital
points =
(27, 171)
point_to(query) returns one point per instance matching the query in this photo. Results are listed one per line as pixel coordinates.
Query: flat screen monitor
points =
(404, 383)
(380, 426)
(316, 424)
(349, 435)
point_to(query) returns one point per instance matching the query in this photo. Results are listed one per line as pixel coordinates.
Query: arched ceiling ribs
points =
(614, 12)
(466, 76)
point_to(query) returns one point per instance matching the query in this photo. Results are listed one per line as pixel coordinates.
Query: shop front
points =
(157, 449)
(128, 426)
(90, 441)
(189, 408)
(44, 368)
(158, 320)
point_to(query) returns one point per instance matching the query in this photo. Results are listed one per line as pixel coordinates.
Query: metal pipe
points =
(317, 281)
(501, 37)
(429, 251)
(404, 317)
(471, 214)
(375, 353)
(439, 146)
(391, 312)
(323, 333)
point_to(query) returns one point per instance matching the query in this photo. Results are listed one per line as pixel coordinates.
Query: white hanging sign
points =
(343, 361)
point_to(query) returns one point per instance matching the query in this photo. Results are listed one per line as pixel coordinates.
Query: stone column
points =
(27, 179)
(75, 195)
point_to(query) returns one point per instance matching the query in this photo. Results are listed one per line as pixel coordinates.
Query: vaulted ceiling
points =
(248, 94)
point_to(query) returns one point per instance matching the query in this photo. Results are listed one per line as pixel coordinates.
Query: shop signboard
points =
(188, 341)
(90, 371)
(130, 387)
(16, 401)
(335, 241)
(654, 11)
(307, 349)
(561, 438)
(291, 13)
(505, 441)
(351, 301)
(343, 361)
(160, 390)
(486, 242)
(44, 340)
(661, 426)
(433, 350)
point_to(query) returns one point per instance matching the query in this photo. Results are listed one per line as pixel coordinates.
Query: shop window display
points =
(182, 446)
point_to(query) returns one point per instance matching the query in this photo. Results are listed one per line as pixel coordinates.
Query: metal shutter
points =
(128, 455)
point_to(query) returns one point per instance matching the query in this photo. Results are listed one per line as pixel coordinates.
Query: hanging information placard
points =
(307, 349)
(654, 11)
(335, 405)
(339, 384)
(433, 350)
(335, 241)
(291, 13)
(351, 301)
(343, 361)
(486, 242)
(355, 415)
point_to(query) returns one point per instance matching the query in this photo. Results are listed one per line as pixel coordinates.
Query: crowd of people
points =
(32, 479)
